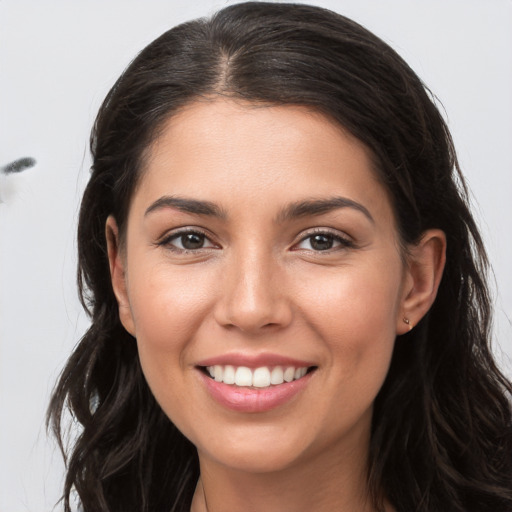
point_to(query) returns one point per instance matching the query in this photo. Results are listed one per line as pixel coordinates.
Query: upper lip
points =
(254, 360)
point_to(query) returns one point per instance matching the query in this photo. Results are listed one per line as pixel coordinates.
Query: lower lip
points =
(253, 399)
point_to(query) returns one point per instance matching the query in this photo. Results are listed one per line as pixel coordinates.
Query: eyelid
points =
(166, 239)
(344, 240)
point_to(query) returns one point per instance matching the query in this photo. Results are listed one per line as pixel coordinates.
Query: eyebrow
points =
(320, 207)
(309, 207)
(187, 205)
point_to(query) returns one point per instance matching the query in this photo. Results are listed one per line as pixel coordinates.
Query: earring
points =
(408, 322)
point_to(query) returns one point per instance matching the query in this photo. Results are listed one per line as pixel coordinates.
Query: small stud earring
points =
(407, 322)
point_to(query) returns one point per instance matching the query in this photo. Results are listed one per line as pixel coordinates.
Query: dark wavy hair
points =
(442, 427)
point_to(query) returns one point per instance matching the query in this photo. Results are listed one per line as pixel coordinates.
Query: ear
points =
(425, 265)
(117, 262)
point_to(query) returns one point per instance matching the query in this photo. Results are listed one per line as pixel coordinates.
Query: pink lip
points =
(253, 400)
(254, 361)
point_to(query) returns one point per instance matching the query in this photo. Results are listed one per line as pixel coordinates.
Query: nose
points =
(253, 294)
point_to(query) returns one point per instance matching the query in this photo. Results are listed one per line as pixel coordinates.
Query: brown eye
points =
(321, 242)
(187, 241)
(191, 241)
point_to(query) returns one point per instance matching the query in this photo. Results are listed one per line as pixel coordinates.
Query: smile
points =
(262, 377)
(255, 388)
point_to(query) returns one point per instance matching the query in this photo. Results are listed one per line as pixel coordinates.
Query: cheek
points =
(354, 299)
(168, 308)
(354, 312)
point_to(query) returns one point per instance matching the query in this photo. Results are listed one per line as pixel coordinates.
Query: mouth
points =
(255, 383)
(256, 378)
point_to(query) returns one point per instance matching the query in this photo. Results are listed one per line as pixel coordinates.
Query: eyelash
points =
(344, 242)
(176, 235)
(333, 237)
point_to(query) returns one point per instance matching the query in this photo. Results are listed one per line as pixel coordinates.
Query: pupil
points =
(321, 242)
(192, 241)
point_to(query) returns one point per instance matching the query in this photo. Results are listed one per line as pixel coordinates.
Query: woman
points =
(287, 289)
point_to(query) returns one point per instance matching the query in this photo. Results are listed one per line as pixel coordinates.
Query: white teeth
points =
(289, 374)
(243, 376)
(261, 377)
(276, 377)
(229, 374)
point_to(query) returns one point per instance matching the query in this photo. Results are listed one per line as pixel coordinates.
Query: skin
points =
(259, 286)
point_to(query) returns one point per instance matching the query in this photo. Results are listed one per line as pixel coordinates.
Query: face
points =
(262, 279)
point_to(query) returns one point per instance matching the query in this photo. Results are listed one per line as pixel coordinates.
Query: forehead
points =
(227, 152)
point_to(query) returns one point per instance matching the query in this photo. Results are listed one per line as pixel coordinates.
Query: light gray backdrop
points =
(58, 60)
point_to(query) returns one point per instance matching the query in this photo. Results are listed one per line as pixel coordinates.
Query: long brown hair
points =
(442, 427)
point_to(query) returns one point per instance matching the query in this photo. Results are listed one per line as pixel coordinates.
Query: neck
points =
(334, 481)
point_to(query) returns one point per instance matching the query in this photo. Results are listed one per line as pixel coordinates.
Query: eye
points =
(188, 241)
(323, 242)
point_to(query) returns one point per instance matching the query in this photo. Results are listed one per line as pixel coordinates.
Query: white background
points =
(58, 60)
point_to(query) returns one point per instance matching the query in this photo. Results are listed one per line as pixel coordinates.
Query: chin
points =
(257, 462)
(256, 453)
